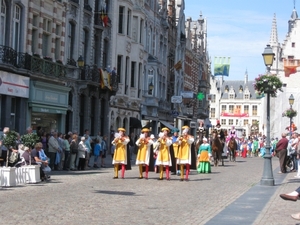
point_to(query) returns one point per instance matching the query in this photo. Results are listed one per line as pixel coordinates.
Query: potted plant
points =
(268, 83)
(9, 173)
(48, 58)
(290, 113)
(29, 140)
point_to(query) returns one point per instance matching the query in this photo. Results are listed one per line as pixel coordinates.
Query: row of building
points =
(101, 64)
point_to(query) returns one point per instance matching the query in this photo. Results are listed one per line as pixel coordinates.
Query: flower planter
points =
(32, 174)
(8, 176)
(269, 84)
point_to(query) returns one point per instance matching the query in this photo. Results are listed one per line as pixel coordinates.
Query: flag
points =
(178, 65)
(221, 66)
(290, 66)
(105, 79)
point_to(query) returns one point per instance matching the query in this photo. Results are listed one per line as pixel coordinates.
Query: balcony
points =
(35, 64)
(102, 20)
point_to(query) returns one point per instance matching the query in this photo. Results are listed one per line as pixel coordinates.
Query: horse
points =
(217, 148)
(232, 147)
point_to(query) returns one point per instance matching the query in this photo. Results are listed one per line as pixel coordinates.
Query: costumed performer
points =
(163, 153)
(144, 153)
(204, 155)
(120, 154)
(184, 157)
(232, 133)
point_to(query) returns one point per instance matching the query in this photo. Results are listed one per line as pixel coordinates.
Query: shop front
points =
(14, 93)
(48, 104)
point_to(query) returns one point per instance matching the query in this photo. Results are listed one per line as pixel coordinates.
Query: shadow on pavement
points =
(116, 192)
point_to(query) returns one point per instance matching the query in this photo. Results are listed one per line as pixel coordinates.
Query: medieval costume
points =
(202, 130)
(163, 153)
(121, 152)
(204, 154)
(144, 153)
(232, 133)
(184, 157)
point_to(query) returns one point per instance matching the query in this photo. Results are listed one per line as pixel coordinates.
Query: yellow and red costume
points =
(120, 154)
(144, 152)
(184, 157)
(163, 156)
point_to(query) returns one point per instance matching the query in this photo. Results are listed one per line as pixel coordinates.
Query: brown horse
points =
(217, 148)
(232, 147)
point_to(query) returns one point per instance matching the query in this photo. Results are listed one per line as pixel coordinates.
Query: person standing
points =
(67, 152)
(52, 150)
(281, 150)
(120, 154)
(184, 157)
(174, 151)
(163, 156)
(103, 150)
(4, 149)
(74, 151)
(97, 152)
(82, 153)
(144, 153)
(204, 154)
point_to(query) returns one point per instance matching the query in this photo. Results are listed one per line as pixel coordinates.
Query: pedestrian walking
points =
(281, 151)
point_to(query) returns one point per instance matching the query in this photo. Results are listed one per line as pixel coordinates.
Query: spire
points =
(246, 77)
(274, 35)
(294, 13)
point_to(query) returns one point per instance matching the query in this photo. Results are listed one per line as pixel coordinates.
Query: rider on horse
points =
(220, 132)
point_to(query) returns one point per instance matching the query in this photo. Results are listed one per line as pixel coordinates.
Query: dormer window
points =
(231, 96)
(241, 89)
(226, 89)
(246, 96)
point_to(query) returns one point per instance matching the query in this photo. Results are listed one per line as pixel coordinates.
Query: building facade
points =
(234, 103)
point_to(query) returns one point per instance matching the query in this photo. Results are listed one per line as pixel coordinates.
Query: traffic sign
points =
(176, 99)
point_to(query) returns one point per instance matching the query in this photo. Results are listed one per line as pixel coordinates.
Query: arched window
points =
(3, 17)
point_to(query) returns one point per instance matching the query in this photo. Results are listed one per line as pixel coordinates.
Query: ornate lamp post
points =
(268, 178)
(291, 102)
(80, 63)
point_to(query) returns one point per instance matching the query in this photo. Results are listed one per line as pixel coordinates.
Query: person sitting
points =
(40, 158)
(292, 196)
(232, 133)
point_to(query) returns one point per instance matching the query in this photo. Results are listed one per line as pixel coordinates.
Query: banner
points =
(14, 85)
(235, 114)
(221, 66)
(105, 79)
(290, 66)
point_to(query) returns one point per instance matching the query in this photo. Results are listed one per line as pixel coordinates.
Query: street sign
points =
(187, 94)
(176, 99)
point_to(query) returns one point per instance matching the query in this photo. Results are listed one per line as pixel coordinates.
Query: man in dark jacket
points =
(281, 151)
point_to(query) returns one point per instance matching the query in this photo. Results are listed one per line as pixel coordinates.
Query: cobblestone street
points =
(93, 197)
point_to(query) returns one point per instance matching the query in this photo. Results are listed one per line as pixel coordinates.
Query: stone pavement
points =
(229, 195)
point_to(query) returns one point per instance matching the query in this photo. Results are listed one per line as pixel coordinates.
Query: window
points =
(135, 28)
(223, 121)
(254, 122)
(246, 108)
(85, 44)
(246, 96)
(132, 78)
(128, 22)
(3, 22)
(35, 34)
(16, 33)
(57, 41)
(236, 122)
(212, 112)
(246, 122)
(230, 122)
(231, 96)
(126, 74)
(46, 38)
(71, 40)
(141, 30)
(121, 19)
(293, 44)
(150, 82)
(254, 110)
(231, 108)
(119, 67)
(213, 98)
(224, 108)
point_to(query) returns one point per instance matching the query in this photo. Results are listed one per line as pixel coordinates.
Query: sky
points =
(241, 29)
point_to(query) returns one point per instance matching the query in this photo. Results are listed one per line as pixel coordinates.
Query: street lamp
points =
(291, 102)
(80, 63)
(268, 178)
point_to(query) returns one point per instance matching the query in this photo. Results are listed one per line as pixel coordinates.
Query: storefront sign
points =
(14, 85)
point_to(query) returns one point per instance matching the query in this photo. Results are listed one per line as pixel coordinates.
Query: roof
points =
(235, 85)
